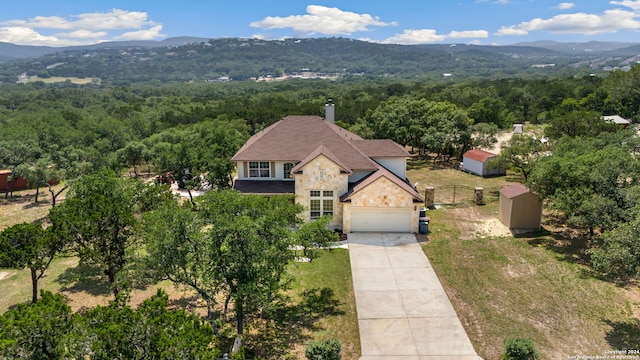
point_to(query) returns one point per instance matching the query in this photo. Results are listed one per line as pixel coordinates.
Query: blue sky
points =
(77, 22)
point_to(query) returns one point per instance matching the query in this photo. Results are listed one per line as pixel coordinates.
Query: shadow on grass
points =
(427, 161)
(18, 197)
(571, 249)
(290, 322)
(514, 177)
(624, 335)
(189, 303)
(419, 162)
(84, 278)
(38, 204)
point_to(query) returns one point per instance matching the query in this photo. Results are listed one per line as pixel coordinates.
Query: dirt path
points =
(502, 138)
(5, 275)
(473, 224)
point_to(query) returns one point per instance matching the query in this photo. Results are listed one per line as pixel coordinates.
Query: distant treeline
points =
(243, 59)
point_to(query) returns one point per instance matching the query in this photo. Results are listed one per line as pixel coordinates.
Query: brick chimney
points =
(329, 112)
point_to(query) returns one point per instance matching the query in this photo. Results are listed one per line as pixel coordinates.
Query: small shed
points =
(16, 184)
(519, 208)
(477, 162)
(617, 119)
(518, 129)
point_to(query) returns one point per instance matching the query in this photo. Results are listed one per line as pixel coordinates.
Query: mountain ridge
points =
(14, 51)
(187, 59)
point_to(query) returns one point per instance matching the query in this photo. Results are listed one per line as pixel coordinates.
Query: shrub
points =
(323, 350)
(519, 349)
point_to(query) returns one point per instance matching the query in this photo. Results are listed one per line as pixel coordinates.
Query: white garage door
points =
(381, 219)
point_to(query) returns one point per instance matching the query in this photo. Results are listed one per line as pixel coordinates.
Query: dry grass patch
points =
(528, 285)
(83, 287)
(21, 207)
(57, 79)
(326, 311)
(505, 287)
(423, 172)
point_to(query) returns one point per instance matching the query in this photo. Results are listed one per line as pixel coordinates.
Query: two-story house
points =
(361, 183)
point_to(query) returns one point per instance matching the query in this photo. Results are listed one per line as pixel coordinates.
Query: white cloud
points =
(323, 20)
(565, 6)
(632, 4)
(83, 34)
(578, 23)
(510, 30)
(469, 34)
(145, 34)
(115, 19)
(25, 35)
(424, 36)
(409, 37)
(81, 29)
(41, 22)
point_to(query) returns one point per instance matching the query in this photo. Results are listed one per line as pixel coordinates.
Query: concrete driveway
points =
(403, 311)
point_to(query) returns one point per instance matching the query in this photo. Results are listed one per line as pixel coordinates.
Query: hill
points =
(577, 48)
(187, 59)
(11, 51)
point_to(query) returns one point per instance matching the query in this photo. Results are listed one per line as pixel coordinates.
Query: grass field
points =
(530, 285)
(326, 311)
(55, 79)
(502, 286)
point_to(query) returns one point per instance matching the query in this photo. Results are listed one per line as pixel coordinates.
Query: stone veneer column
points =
(429, 196)
(478, 197)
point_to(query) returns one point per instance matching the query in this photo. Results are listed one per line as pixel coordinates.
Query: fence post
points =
(478, 197)
(429, 197)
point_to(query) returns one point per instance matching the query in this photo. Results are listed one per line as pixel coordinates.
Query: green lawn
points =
(332, 271)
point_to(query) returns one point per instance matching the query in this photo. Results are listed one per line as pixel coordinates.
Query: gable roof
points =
(294, 138)
(381, 172)
(321, 150)
(616, 119)
(380, 148)
(478, 155)
(515, 190)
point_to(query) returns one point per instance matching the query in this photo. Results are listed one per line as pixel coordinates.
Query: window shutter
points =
(245, 166)
(272, 167)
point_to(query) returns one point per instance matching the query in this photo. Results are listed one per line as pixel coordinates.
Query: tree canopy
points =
(99, 217)
(29, 246)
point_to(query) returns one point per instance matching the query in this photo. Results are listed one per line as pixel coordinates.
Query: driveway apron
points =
(403, 311)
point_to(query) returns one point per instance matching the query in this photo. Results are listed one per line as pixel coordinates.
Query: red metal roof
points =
(479, 155)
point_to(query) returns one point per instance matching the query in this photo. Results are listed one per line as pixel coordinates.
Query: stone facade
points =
(381, 193)
(321, 174)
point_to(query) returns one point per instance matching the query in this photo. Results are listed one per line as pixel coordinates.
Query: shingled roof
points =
(514, 190)
(380, 148)
(294, 138)
(382, 172)
(321, 150)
